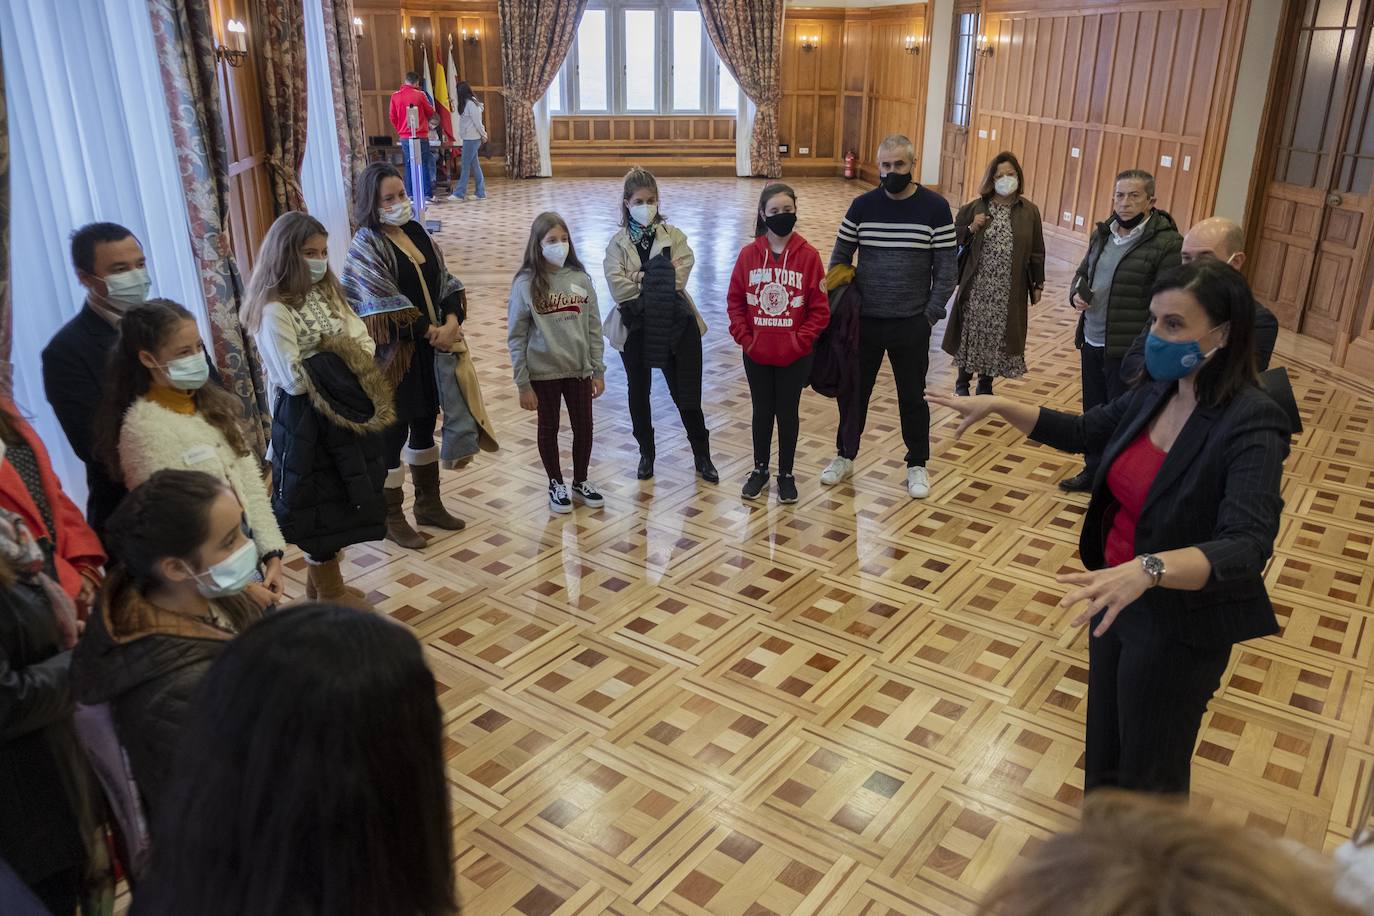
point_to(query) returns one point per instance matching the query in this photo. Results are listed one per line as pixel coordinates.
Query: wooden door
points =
(1317, 216)
(954, 145)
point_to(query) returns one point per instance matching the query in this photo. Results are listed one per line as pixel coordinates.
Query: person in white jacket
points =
(160, 414)
(293, 306)
(644, 342)
(472, 134)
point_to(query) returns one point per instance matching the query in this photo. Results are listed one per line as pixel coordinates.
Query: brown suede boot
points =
(324, 582)
(429, 507)
(398, 529)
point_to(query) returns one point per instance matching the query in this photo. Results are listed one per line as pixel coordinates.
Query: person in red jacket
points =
(777, 310)
(73, 556)
(409, 94)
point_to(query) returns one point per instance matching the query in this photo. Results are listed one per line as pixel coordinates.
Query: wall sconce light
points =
(810, 42)
(984, 47)
(235, 51)
(911, 46)
(409, 35)
(357, 27)
(472, 37)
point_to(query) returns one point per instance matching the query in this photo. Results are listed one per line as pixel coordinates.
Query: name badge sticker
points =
(199, 454)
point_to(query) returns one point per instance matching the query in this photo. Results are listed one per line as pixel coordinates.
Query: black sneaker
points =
(587, 493)
(1082, 482)
(756, 484)
(787, 488)
(558, 498)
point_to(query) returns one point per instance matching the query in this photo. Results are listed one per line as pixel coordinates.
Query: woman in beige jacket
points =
(655, 324)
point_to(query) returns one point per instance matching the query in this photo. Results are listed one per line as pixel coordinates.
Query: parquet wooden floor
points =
(860, 704)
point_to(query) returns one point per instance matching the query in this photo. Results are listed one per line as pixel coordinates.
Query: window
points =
(590, 72)
(961, 76)
(643, 57)
(638, 37)
(688, 38)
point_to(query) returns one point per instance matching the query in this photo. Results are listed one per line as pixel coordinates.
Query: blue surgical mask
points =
(318, 268)
(189, 372)
(231, 575)
(128, 288)
(1171, 360)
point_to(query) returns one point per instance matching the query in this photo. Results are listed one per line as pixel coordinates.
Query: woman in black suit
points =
(1184, 512)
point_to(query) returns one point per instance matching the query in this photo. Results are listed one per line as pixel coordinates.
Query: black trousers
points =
(1146, 697)
(906, 343)
(1101, 383)
(775, 392)
(683, 375)
(418, 433)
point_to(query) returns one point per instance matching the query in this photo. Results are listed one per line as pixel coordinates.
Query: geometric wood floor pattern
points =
(859, 704)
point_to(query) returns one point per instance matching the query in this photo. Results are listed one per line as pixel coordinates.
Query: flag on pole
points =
(452, 80)
(442, 103)
(429, 91)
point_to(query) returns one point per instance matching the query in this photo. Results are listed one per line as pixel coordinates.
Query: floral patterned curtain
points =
(747, 35)
(347, 86)
(6, 312)
(535, 38)
(280, 53)
(185, 39)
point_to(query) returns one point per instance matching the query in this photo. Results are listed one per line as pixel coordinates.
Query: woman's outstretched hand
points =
(971, 410)
(1109, 590)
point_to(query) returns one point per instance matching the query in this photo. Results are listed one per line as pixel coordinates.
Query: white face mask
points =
(318, 268)
(644, 213)
(397, 214)
(556, 252)
(229, 576)
(128, 288)
(188, 373)
(1006, 185)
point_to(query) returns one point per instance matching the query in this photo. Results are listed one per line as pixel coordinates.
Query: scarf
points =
(637, 232)
(369, 282)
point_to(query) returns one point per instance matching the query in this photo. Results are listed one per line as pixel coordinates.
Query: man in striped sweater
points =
(907, 271)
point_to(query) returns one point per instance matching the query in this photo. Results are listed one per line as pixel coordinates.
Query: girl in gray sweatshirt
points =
(554, 335)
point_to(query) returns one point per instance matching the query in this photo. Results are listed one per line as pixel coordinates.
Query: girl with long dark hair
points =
(159, 413)
(311, 780)
(471, 134)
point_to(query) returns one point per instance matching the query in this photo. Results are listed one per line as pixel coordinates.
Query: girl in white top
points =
(293, 303)
(472, 134)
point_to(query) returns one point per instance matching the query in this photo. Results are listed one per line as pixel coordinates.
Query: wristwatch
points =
(1154, 566)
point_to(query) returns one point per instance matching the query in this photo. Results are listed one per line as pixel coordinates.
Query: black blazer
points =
(74, 369)
(1218, 490)
(1266, 337)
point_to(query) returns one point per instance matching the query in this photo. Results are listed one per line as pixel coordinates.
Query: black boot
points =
(985, 384)
(701, 455)
(961, 384)
(646, 466)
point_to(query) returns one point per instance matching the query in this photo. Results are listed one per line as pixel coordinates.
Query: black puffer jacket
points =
(147, 663)
(1128, 306)
(327, 456)
(39, 826)
(663, 312)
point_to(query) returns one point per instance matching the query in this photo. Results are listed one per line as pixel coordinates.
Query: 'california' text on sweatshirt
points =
(561, 338)
(776, 304)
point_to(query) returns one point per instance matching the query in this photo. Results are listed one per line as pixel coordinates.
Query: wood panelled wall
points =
(605, 145)
(1083, 89)
(384, 56)
(857, 86)
(250, 189)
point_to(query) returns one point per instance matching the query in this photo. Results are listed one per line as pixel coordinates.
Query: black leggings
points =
(776, 395)
(683, 375)
(419, 433)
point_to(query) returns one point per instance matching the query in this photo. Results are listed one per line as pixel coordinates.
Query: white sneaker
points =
(917, 483)
(838, 469)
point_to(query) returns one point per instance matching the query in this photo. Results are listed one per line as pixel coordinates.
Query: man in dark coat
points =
(110, 263)
(1111, 292)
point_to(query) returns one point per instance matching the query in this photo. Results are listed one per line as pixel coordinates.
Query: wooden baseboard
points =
(682, 167)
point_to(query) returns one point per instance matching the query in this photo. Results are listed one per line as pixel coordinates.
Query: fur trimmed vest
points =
(327, 457)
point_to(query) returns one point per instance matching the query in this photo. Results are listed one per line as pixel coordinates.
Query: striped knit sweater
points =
(907, 264)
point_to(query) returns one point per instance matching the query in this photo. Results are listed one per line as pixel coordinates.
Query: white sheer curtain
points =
(90, 140)
(321, 173)
(541, 135)
(744, 132)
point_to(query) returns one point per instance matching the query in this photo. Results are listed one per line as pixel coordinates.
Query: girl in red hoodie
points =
(777, 310)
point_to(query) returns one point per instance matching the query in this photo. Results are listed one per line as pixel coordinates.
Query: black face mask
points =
(1129, 224)
(896, 182)
(780, 224)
